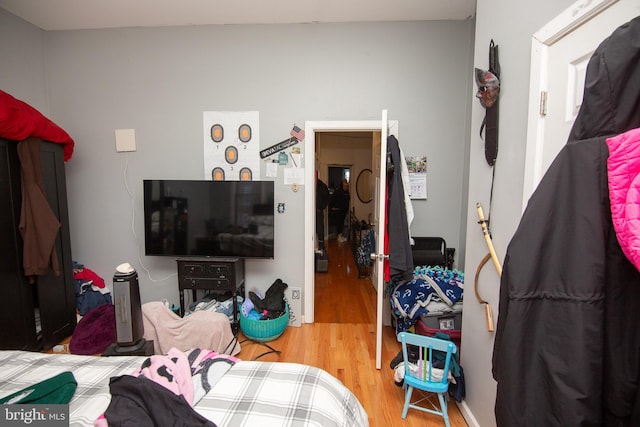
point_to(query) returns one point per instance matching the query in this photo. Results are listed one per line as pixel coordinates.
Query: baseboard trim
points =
(467, 414)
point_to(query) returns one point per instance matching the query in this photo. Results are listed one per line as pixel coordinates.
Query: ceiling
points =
(87, 14)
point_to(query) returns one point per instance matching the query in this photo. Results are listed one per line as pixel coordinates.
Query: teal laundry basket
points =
(264, 330)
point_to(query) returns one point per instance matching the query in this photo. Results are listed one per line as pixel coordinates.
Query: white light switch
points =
(125, 140)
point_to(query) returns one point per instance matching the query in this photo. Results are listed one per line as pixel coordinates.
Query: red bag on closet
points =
(19, 121)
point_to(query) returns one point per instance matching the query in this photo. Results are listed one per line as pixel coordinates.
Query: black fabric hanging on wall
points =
(400, 255)
(488, 93)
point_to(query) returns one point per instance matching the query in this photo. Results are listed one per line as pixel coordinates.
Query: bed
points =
(249, 393)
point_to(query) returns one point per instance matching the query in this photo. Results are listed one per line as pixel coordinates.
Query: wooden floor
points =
(342, 342)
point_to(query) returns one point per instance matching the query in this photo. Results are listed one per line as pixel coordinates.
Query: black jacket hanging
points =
(567, 346)
(400, 255)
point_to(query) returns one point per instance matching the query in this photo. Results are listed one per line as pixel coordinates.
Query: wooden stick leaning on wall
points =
(492, 254)
(487, 238)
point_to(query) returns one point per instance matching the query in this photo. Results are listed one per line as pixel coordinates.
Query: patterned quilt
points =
(411, 299)
(250, 393)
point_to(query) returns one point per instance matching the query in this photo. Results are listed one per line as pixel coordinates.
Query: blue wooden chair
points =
(423, 376)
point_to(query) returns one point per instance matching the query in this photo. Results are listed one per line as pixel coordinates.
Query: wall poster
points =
(231, 145)
(417, 176)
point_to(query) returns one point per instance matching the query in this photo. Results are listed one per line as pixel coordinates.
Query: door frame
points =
(311, 127)
(570, 19)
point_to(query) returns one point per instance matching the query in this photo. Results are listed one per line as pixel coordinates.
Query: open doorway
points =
(311, 166)
(340, 157)
(344, 156)
(380, 130)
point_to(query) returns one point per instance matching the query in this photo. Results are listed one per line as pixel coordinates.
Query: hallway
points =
(340, 296)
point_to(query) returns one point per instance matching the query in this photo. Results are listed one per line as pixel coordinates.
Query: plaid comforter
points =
(250, 393)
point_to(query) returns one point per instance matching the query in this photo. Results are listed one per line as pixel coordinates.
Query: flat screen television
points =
(193, 218)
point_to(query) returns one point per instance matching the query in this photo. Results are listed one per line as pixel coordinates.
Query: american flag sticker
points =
(297, 133)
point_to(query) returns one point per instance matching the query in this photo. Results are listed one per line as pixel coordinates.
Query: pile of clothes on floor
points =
(271, 306)
(96, 330)
(211, 304)
(202, 329)
(430, 289)
(90, 288)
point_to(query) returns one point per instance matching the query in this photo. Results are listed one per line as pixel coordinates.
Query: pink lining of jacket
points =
(623, 167)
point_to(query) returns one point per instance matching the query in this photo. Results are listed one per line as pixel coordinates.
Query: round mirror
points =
(364, 187)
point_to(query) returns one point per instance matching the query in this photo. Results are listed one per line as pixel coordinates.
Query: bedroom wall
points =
(510, 24)
(23, 71)
(160, 80)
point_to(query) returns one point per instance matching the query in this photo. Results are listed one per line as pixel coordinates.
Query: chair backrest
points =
(429, 251)
(428, 350)
(430, 243)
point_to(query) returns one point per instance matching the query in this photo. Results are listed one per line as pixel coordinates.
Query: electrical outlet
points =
(293, 295)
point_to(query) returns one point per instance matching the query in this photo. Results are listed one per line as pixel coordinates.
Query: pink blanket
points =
(202, 329)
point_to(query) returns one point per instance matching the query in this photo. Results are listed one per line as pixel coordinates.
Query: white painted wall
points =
(22, 73)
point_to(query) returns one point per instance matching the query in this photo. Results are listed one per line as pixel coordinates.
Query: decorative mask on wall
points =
(488, 87)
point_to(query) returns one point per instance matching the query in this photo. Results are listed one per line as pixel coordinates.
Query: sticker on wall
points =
(244, 133)
(231, 155)
(231, 145)
(278, 147)
(245, 174)
(283, 159)
(217, 133)
(217, 174)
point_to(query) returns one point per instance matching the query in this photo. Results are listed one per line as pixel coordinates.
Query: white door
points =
(560, 53)
(379, 215)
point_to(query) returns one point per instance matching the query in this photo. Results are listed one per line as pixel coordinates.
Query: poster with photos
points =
(417, 177)
(231, 145)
